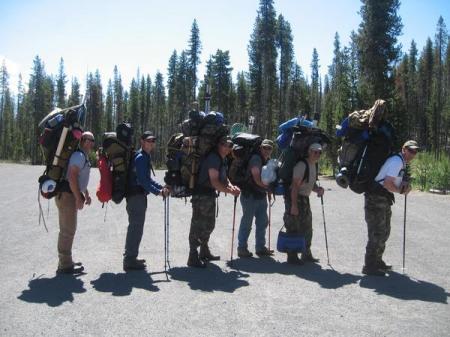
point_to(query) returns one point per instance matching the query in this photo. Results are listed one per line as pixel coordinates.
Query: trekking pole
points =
(270, 214)
(232, 232)
(168, 231)
(165, 235)
(325, 228)
(404, 235)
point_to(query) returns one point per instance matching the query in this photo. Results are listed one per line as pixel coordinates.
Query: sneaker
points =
(373, 271)
(383, 266)
(133, 264)
(264, 252)
(244, 252)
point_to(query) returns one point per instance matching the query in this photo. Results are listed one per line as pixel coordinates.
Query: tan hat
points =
(411, 144)
(315, 147)
(267, 143)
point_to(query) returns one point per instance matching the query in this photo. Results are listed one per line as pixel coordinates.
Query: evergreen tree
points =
(109, 118)
(221, 82)
(182, 87)
(159, 113)
(354, 74)
(171, 91)
(74, 97)
(377, 48)
(194, 52)
(425, 77)
(286, 48)
(241, 99)
(133, 108)
(94, 104)
(61, 86)
(262, 68)
(315, 90)
(118, 102)
(412, 101)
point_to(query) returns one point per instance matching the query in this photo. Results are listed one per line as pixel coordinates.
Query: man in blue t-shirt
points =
(140, 184)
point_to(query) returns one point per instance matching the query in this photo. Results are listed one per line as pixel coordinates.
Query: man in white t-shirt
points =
(377, 207)
(72, 199)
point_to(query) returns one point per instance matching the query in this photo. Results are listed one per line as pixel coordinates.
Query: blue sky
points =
(98, 34)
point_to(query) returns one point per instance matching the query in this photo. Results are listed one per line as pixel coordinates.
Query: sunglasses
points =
(90, 139)
(230, 145)
(411, 150)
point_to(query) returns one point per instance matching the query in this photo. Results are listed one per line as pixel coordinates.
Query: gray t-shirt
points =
(255, 161)
(79, 159)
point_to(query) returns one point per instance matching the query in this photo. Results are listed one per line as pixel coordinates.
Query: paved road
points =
(254, 297)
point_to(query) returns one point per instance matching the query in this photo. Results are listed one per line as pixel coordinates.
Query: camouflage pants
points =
(378, 213)
(203, 219)
(301, 223)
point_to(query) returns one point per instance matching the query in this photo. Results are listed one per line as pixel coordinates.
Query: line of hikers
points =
(197, 166)
(253, 197)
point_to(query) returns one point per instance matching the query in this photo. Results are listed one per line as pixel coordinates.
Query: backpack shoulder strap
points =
(306, 174)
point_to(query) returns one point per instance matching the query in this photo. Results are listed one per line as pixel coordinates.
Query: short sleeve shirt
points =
(393, 167)
(214, 161)
(255, 161)
(79, 159)
(308, 184)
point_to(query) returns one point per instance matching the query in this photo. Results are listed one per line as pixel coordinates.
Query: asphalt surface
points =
(253, 297)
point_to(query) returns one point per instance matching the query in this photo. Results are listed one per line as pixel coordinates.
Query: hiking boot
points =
(383, 266)
(205, 254)
(194, 261)
(244, 252)
(264, 252)
(308, 257)
(73, 269)
(292, 258)
(134, 264)
(373, 270)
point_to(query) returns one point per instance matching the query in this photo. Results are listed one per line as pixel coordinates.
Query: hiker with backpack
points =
(72, 197)
(391, 178)
(254, 203)
(297, 217)
(212, 178)
(140, 184)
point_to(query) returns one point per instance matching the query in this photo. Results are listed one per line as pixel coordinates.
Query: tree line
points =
(416, 85)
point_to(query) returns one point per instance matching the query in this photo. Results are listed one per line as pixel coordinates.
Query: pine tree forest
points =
(415, 83)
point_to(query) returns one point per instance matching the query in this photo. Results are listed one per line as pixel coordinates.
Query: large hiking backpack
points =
(301, 139)
(376, 150)
(287, 129)
(245, 145)
(186, 151)
(367, 142)
(117, 150)
(59, 139)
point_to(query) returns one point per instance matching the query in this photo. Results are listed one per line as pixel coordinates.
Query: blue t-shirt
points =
(214, 161)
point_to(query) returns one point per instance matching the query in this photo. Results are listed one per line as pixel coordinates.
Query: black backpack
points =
(245, 145)
(297, 151)
(377, 149)
(117, 148)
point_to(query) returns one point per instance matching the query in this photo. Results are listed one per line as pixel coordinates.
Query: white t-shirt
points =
(393, 167)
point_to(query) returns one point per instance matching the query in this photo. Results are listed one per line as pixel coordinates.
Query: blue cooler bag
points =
(290, 242)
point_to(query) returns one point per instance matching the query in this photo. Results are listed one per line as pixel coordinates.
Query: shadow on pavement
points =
(122, 284)
(326, 278)
(212, 278)
(402, 287)
(52, 291)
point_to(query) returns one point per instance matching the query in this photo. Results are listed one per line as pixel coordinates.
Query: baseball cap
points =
(411, 144)
(267, 143)
(148, 135)
(315, 147)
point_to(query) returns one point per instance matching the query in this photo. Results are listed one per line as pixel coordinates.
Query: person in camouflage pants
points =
(377, 207)
(212, 177)
(297, 217)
